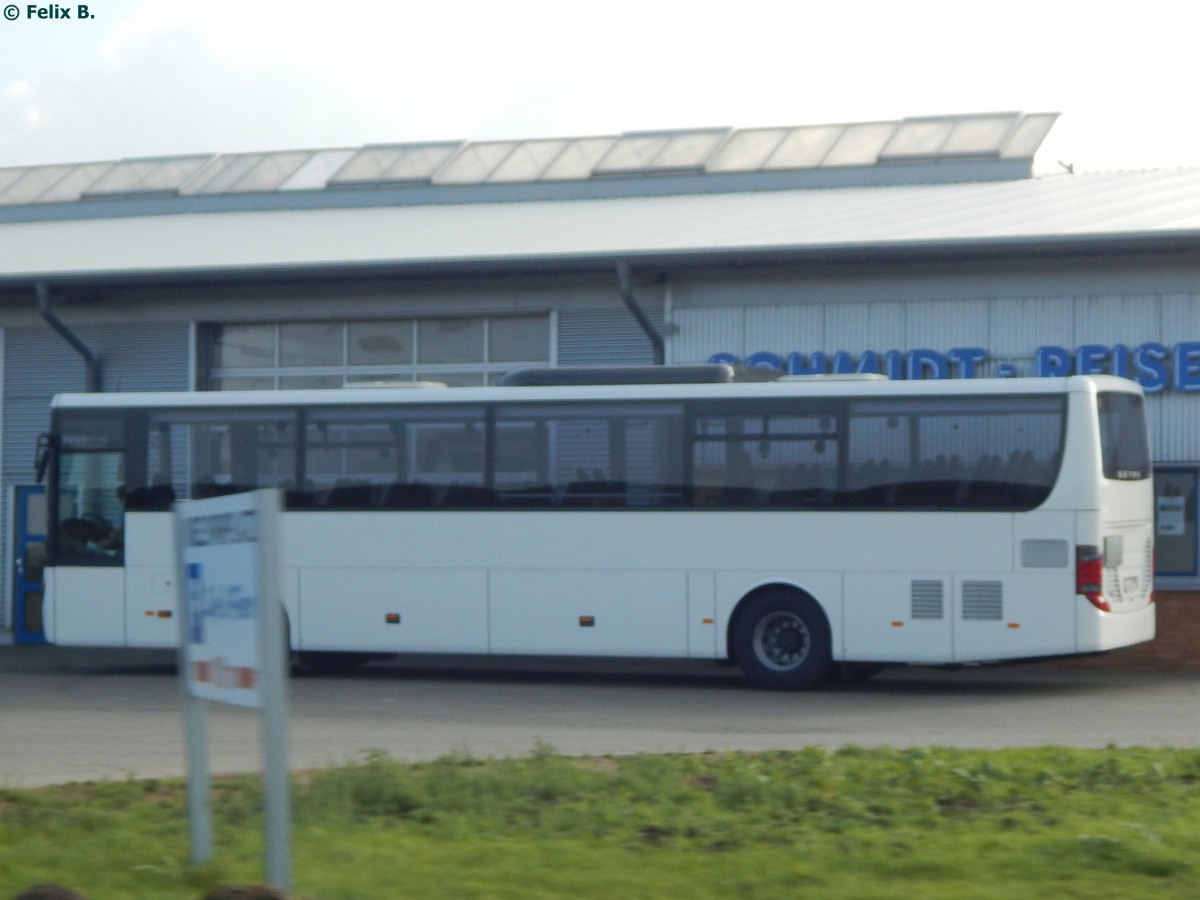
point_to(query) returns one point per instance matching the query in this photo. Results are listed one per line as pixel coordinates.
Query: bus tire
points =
(781, 639)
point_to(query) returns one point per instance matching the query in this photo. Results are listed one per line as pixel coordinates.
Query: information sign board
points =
(223, 593)
(233, 649)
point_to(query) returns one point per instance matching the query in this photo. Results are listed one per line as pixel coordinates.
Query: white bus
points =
(796, 526)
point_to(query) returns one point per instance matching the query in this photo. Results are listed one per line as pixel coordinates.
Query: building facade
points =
(925, 248)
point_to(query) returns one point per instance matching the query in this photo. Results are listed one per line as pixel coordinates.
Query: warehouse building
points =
(922, 248)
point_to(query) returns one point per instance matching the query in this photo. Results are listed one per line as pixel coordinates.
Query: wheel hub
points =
(781, 641)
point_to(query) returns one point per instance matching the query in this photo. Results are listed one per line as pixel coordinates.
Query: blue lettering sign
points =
(797, 364)
(1152, 365)
(1120, 357)
(1187, 367)
(1090, 359)
(1051, 362)
(965, 359)
(893, 365)
(766, 360)
(927, 363)
(1150, 369)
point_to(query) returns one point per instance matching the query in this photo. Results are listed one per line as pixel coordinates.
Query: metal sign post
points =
(232, 650)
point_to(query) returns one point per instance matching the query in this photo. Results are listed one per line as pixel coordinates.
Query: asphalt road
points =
(71, 715)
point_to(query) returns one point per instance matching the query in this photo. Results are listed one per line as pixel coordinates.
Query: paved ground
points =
(68, 714)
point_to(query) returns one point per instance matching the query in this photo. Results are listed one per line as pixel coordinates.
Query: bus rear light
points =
(1089, 576)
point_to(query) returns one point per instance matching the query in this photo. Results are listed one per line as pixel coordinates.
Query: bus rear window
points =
(1124, 445)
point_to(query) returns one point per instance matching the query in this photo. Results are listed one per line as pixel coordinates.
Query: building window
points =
(1175, 542)
(298, 355)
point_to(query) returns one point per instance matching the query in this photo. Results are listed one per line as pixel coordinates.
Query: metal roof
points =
(1096, 208)
(1050, 214)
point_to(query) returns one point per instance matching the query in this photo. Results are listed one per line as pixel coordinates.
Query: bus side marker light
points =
(708, 621)
(164, 614)
(897, 624)
(587, 621)
(1014, 624)
(392, 618)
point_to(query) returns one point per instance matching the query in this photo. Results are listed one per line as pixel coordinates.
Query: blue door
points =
(29, 559)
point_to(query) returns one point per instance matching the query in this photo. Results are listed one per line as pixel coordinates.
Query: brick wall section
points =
(1175, 649)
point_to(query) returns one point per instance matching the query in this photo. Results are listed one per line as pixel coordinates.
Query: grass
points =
(1048, 822)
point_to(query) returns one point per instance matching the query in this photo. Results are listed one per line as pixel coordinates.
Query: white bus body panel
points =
(346, 608)
(92, 613)
(581, 612)
(1108, 631)
(534, 576)
(150, 591)
(880, 624)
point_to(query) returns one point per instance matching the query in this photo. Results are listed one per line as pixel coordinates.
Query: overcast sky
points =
(144, 78)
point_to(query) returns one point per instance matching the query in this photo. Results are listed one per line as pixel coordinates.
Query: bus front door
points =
(29, 556)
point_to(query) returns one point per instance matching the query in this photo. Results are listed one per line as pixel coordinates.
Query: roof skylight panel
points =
(804, 147)
(270, 171)
(946, 136)
(136, 176)
(72, 185)
(859, 145)
(420, 162)
(224, 171)
(474, 162)
(631, 153)
(31, 185)
(316, 172)
(661, 151)
(1028, 136)
(917, 138)
(396, 162)
(578, 159)
(367, 164)
(689, 150)
(528, 160)
(746, 151)
(981, 135)
(9, 176)
(122, 178)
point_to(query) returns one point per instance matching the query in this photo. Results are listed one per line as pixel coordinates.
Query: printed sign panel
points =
(220, 545)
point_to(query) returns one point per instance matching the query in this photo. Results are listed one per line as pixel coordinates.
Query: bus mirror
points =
(45, 447)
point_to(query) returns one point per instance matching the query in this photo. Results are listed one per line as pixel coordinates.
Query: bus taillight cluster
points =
(1089, 576)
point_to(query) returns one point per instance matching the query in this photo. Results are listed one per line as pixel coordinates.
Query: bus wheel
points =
(781, 640)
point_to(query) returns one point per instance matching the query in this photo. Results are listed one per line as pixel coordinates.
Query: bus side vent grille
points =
(982, 600)
(1043, 554)
(928, 600)
(1148, 568)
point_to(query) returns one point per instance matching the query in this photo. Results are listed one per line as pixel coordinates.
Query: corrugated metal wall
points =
(38, 364)
(1010, 328)
(605, 337)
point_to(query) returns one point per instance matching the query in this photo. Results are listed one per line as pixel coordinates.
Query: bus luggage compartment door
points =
(589, 613)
